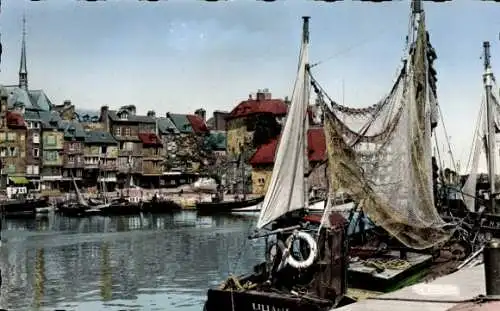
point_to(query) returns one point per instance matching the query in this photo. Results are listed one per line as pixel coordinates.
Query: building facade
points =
(100, 159)
(125, 125)
(152, 157)
(73, 151)
(12, 148)
(262, 162)
(52, 157)
(254, 122)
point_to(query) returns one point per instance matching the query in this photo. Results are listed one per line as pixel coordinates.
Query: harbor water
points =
(149, 262)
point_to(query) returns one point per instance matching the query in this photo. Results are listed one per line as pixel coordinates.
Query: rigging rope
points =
(476, 133)
(360, 43)
(447, 138)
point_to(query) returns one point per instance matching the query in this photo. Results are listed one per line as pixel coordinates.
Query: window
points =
(51, 155)
(36, 152)
(127, 131)
(36, 138)
(33, 125)
(3, 136)
(11, 136)
(123, 116)
(104, 149)
(50, 140)
(3, 152)
(36, 170)
(74, 146)
(129, 146)
(12, 152)
(71, 159)
(118, 131)
(29, 169)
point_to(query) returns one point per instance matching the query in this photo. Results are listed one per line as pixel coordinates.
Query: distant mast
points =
(23, 71)
(488, 82)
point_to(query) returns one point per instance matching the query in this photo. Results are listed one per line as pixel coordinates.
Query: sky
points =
(180, 55)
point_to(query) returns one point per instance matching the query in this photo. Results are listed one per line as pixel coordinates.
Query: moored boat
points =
(229, 206)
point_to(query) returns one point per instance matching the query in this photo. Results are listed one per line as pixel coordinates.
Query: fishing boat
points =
(381, 156)
(80, 207)
(160, 205)
(229, 206)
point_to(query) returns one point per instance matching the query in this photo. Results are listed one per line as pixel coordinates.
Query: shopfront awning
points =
(19, 180)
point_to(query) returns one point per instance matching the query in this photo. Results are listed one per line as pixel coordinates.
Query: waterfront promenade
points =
(442, 294)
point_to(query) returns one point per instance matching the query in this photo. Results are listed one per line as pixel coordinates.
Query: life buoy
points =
(313, 250)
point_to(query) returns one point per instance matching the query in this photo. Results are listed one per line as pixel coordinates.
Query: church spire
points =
(23, 71)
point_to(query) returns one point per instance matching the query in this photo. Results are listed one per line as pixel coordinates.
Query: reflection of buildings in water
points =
(39, 277)
(106, 274)
(163, 256)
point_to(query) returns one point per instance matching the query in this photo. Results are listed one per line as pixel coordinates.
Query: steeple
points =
(23, 71)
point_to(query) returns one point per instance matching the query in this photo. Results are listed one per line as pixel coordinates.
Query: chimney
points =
(67, 103)
(132, 109)
(261, 95)
(250, 96)
(3, 102)
(201, 113)
(104, 117)
(151, 114)
(267, 94)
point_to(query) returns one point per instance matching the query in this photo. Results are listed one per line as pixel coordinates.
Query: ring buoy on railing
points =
(313, 250)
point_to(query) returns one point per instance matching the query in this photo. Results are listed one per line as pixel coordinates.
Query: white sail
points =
(469, 188)
(287, 189)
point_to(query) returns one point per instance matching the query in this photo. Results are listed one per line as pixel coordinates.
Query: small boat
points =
(45, 209)
(158, 205)
(73, 209)
(19, 208)
(121, 206)
(229, 206)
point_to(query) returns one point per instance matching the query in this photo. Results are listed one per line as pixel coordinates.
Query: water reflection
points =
(133, 263)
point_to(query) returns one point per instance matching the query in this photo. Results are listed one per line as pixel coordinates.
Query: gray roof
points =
(87, 115)
(31, 99)
(99, 137)
(166, 126)
(181, 122)
(115, 117)
(51, 120)
(72, 129)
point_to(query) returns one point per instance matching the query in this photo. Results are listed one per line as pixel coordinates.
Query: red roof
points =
(150, 139)
(315, 143)
(254, 106)
(197, 124)
(15, 120)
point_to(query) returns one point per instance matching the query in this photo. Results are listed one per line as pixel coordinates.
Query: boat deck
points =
(383, 271)
(442, 294)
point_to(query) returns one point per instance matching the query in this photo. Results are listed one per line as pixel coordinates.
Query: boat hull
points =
(22, 208)
(225, 300)
(226, 206)
(118, 209)
(161, 206)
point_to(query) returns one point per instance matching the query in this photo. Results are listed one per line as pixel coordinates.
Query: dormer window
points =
(124, 116)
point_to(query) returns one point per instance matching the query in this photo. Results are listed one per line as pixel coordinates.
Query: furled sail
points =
(287, 188)
(479, 149)
(382, 154)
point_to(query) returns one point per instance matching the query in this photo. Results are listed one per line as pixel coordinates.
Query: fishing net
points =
(381, 155)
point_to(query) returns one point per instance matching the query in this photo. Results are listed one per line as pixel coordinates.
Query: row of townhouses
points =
(48, 147)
